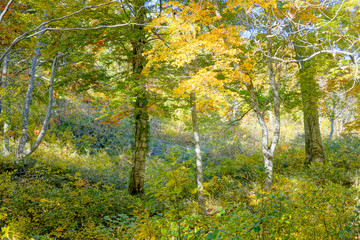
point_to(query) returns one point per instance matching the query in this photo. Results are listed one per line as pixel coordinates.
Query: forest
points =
(179, 119)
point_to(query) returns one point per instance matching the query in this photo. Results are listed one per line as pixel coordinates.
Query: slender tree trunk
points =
(310, 94)
(341, 127)
(268, 150)
(142, 126)
(47, 119)
(26, 108)
(199, 167)
(275, 86)
(332, 119)
(5, 107)
(337, 125)
(267, 154)
(331, 128)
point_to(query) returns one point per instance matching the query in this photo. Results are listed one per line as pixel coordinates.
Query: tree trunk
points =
(268, 150)
(337, 125)
(141, 146)
(309, 93)
(28, 96)
(341, 127)
(142, 126)
(199, 167)
(331, 128)
(333, 116)
(48, 112)
(5, 102)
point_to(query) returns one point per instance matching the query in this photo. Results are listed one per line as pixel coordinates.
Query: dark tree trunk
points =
(310, 94)
(142, 126)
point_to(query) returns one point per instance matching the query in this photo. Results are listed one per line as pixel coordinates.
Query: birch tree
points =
(27, 101)
(49, 110)
(199, 165)
(5, 106)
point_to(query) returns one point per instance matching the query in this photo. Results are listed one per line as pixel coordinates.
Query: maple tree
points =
(283, 33)
(223, 45)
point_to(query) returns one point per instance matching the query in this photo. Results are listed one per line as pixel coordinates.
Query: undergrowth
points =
(59, 193)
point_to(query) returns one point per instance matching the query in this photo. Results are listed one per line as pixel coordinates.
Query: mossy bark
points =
(142, 126)
(310, 97)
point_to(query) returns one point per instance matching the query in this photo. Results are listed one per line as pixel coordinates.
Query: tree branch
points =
(5, 10)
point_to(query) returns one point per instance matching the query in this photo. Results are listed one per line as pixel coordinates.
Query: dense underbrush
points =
(59, 193)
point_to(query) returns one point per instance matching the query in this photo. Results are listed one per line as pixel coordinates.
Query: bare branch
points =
(5, 10)
(40, 28)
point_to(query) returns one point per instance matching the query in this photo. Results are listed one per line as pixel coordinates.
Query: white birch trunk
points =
(267, 154)
(268, 149)
(276, 98)
(199, 167)
(5, 107)
(49, 111)
(26, 108)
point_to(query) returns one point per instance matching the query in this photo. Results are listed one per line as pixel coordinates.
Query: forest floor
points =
(65, 190)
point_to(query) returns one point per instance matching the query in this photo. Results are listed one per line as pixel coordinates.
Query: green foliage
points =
(71, 196)
(47, 203)
(344, 152)
(93, 136)
(73, 186)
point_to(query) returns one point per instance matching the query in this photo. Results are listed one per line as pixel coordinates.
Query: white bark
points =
(276, 97)
(40, 29)
(5, 10)
(199, 167)
(26, 108)
(268, 149)
(5, 107)
(47, 119)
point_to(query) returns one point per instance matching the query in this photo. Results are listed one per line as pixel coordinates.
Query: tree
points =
(225, 67)
(28, 97)
(199, 166)
(36, 22)
(49, 110)
(142, 127)
(5, 107)
(315, 33)
(310, 98)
